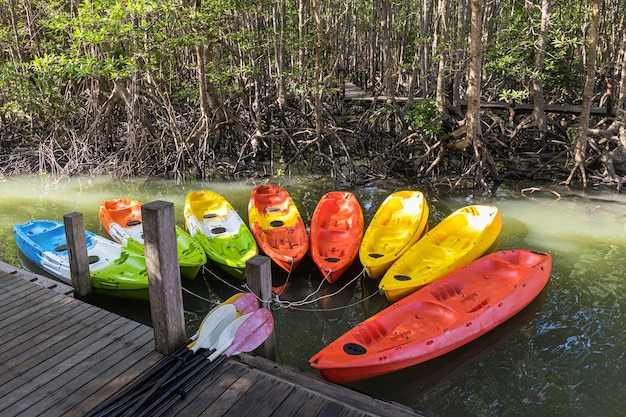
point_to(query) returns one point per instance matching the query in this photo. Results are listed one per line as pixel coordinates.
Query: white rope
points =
(296, 305)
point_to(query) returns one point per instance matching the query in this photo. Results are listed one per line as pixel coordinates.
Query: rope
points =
(297, 305)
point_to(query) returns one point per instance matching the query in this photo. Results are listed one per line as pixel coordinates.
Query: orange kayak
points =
(122, 220)
(336, 233)
(438, 318)
(277, 226)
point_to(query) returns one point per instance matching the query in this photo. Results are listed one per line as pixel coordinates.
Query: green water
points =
(562, 356)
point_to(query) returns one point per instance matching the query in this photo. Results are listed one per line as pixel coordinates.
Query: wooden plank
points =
(43, 353)
(55, 400)
(18, 335)
(115, 378)
(16, 290)
(332, 409)
(29, 372)
(60, 356)
(67, 363)
(250, 399)
(325, 389)
(200, 403)
(301, 403)
(36, 279)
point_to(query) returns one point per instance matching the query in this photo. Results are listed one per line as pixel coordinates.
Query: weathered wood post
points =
(77, 253)
(259, 280)
(166, 298)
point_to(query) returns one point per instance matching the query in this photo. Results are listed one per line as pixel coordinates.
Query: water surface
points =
(562, 356)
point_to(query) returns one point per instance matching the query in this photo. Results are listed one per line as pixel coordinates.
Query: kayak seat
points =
(371, 333)
(60, 248)
(446, 291)
(283, 243)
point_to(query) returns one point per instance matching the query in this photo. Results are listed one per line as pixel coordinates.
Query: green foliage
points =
(517, 95)
(424, 115)
(510, 56)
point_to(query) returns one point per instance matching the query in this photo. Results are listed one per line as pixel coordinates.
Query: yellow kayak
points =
(399, 222)
(457, 240)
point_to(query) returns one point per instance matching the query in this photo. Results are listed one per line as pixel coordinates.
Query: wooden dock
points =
(62, 357)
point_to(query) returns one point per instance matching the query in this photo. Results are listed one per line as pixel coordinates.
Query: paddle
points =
(226, 338)
(220, 319)
(243, 302)
(246, 336)
(217, 320)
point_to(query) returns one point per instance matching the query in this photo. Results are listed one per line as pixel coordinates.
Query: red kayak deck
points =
(438, 318)
(336, 232)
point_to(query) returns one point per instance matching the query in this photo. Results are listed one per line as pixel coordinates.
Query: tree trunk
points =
(319, 125)
(461, 33)
(385, 46)
(442, 49)
(472, 118)
(536, 84)
(580, 149)
(482, 157)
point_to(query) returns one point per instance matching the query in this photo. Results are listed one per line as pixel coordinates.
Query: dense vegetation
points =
(241, 88)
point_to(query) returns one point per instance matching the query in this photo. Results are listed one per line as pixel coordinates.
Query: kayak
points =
(121, 218)
(438, 318)
(221, 232)
(114, 271)
(336, 233)
(277, 226)
(399, 222)
(456, 241)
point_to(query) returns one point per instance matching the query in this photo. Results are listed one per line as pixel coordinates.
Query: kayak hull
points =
(399, 222)
(336, 233)
(277, 226)
(114, 270)
(438, 318)
(457, 240)
(221, 232)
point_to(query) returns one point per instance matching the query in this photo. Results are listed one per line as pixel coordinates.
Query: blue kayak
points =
(115, 271)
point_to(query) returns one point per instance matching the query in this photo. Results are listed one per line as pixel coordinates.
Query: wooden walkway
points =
(353, 93)
(62, 357)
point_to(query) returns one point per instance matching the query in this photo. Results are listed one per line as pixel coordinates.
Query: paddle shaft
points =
(199, 372)
(151, 374)
(120, 405)
(182, 393)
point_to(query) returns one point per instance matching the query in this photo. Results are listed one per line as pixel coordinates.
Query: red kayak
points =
(441, 316)
(277, 226)
(336, 233)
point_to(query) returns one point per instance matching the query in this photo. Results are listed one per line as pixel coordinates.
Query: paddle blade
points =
(227, 337)
(252, 333)
(213, 326)
(247, 303)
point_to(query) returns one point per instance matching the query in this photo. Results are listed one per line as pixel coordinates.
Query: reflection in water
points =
(562, 356)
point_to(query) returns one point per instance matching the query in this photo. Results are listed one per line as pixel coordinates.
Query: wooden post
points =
(166, 298)
(77, 253)
(259, 280)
